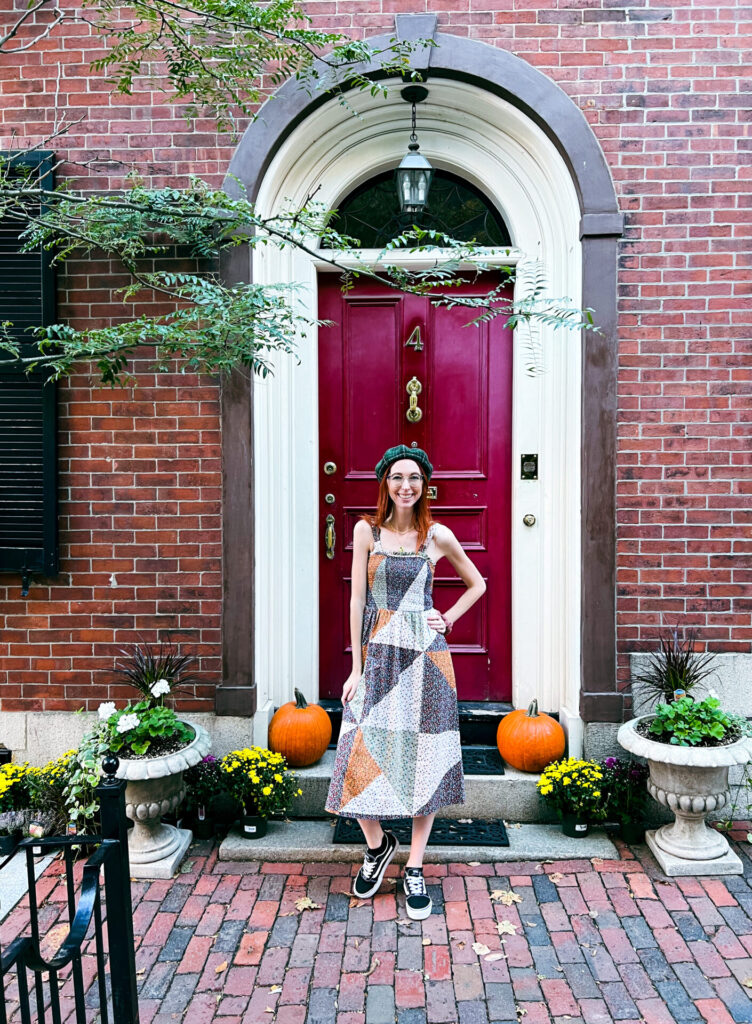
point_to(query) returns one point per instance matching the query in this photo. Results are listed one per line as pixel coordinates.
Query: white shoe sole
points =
(419, 915)
(416, 915)
(377, 879)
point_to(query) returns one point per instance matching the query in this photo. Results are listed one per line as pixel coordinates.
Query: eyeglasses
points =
(415, 479)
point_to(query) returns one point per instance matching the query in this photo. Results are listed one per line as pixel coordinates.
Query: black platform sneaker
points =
(375, 863)
(417, 900)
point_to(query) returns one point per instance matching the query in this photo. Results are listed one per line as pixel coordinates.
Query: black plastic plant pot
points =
(225, 809)
(203, 828)
(8, 843)
(253, 826)
(574, 826)
(632, 832)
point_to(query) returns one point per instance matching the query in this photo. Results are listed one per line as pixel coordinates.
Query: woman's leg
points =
(421, 832)
(372, 830)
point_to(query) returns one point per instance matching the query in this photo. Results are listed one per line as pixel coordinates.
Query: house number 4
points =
(415, 340)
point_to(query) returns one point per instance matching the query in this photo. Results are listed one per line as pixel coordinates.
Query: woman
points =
(398, 753)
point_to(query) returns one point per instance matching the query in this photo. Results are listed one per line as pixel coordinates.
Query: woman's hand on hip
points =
(350, 687)
(435, 621)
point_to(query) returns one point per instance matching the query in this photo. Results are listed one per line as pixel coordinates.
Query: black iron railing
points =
(24, 957)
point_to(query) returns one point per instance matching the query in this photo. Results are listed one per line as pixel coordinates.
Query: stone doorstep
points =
(513, 796)
(311, 841)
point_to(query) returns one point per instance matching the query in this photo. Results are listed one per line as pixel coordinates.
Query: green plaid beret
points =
(401, 451)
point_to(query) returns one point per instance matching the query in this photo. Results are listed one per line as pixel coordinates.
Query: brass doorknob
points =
(529, 519)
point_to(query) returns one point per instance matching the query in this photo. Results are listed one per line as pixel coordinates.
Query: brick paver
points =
(591, 942)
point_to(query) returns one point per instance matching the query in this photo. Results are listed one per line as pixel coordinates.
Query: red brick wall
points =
(140, 482)
(664, 90)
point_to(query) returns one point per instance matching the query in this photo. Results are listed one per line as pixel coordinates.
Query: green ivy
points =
(84, 775)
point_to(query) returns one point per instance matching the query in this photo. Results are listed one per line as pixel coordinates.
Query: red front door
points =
(378, 342)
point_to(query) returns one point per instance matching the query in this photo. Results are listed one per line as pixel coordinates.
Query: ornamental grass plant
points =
(260, 780)
(680, 717)
(148, 728)
(147, 669)
(674, 670)
(574, 787)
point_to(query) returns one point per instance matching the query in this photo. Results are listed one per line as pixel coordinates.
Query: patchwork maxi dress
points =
(398, 753)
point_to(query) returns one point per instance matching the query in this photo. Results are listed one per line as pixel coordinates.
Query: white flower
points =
(161, 686)
(105, 710)
(127, 722)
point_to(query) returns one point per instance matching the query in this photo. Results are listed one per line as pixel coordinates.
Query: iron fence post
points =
(117, 882)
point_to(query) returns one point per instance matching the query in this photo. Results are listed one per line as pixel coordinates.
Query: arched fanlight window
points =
(372, 212)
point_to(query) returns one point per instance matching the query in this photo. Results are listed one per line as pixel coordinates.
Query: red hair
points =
(421, 508)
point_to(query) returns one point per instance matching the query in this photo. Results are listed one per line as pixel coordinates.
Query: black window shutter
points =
(28, 405)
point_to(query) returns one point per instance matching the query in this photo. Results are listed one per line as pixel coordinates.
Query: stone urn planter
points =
(691, 782)
(154, 788)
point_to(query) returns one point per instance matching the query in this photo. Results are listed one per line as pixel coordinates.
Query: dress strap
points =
(376, 536)
(429, 538)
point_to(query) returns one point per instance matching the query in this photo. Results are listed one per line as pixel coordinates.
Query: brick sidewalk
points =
(588, 943)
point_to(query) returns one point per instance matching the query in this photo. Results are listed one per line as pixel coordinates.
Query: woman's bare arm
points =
(359, 575)
(468, 572)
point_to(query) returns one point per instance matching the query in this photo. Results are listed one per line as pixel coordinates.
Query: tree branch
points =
(15, 28)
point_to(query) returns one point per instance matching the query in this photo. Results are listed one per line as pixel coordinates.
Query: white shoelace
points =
(369, 865)
(416, 885)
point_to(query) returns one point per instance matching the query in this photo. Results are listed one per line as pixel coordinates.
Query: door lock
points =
(329, 468)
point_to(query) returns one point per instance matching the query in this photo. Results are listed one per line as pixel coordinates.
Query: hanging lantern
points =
(414, 172)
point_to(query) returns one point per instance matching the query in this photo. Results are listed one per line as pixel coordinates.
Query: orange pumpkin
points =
(300, 731)
(530, 740)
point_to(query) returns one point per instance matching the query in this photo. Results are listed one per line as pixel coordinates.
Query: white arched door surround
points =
(488, 141)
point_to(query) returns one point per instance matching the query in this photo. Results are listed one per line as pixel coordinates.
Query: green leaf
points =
(214, 328)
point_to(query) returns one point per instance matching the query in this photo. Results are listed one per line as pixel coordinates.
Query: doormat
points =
(481, 761)
(445, 831)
